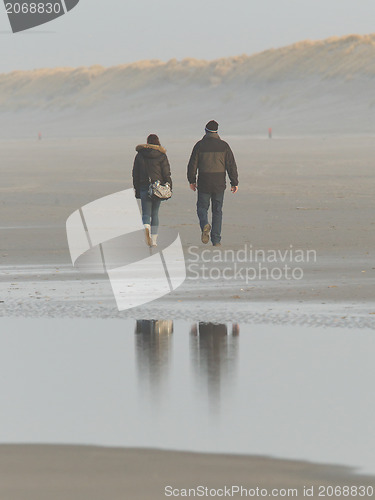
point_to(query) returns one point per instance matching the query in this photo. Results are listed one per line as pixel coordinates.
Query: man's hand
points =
(193, 187)
(234, 189)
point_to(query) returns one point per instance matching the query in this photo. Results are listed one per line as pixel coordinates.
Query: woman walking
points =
(150, 165)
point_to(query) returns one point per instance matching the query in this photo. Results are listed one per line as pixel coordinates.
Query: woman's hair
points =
(153, 139)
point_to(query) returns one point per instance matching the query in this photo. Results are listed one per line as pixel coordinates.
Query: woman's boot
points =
(148, 234)
(154, 238)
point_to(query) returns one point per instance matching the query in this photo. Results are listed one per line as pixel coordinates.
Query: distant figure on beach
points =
(39, 136)
(150, 165)
(270, 133)
(211, 159)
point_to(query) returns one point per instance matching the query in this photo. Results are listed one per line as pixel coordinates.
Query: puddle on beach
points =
(283, 391)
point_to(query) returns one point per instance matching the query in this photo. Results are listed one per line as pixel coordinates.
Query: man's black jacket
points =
(211, 159)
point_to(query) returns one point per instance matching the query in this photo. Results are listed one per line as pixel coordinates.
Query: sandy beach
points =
(246, 356)
(306, 193)
(97, 473)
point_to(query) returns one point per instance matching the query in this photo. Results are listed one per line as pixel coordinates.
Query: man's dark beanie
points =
(212, 126)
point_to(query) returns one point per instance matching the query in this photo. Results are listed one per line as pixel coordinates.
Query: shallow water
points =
(282, 391)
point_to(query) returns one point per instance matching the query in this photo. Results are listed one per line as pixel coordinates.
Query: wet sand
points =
(312, 193)
(90, 473)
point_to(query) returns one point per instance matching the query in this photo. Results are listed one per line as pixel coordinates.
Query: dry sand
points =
(91, 473)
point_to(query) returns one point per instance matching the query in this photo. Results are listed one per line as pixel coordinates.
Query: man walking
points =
(211, 159)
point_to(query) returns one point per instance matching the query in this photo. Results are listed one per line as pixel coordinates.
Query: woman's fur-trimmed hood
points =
(155, 147)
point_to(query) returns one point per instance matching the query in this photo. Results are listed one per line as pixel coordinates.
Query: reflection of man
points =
(214, 353)
(211, 159)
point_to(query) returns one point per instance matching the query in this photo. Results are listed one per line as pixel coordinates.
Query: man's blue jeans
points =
(150, 210)
(203, 204)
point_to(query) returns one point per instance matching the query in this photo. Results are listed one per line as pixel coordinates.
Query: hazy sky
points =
(109, 32)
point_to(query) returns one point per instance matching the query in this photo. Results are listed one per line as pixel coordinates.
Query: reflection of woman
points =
(153, 352)
(150, 165)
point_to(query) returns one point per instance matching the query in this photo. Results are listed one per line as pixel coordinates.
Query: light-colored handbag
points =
(160, 191)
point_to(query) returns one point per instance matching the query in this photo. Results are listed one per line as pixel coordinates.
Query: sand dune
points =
(309, 87)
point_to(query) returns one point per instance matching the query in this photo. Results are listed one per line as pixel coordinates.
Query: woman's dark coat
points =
(150, 163)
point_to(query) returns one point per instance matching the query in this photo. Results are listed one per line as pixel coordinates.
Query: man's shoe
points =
(206, 234)
(216, 244)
